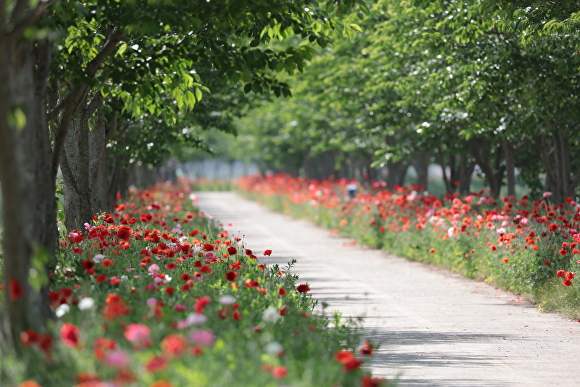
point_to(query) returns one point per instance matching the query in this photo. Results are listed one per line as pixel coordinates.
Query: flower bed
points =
(529, 247)
(158, 295)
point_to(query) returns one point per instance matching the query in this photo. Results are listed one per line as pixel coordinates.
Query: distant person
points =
(351, 189)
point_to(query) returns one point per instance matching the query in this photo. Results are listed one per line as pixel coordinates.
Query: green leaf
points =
(198, 94)
(122, 49)
(355, 27)
(17, 118)
(37, 276)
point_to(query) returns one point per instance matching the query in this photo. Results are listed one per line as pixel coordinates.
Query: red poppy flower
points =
(368, 381)
(107, 262)
(302, 288)
(169, 290)
(16, 290)
(88, 264)
(232, 250)
(344, 356)
(231, 276)
(267, 252)
(156, 364)
(45, 342)
(251, 283)
(223, 313)
(206, 269)
(279, 372)
(174, 344)
(352, 365)
(560, 273)
(124, 233)
(69, 335)
(208, 247)
(28, 336)
(567, 282)
(570, 275)
(281, 292)
(101, 278)
(201, 303)
(170, 266)
(236, 315)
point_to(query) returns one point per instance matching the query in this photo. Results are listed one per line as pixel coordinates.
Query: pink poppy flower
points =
(138, 334)
(116, 358)
(203, 337)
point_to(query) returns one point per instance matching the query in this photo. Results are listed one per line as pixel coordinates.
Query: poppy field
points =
(529, 246)
(158, 294)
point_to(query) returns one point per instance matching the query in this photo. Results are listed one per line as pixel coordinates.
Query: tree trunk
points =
(97, 160)
(556, 160)
(397, 173)
(494, 178)
(421, 162)
(510, 168)
(443, 170)
(466, 168)
(75, 165)
(27, 188)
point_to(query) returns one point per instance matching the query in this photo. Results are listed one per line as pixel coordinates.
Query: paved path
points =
(435, 328)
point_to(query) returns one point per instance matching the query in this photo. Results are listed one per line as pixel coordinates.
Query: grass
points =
(526, 266)
(212, 185)
(174, 300)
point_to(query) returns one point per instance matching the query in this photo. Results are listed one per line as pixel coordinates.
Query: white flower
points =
(197, 249)
(124, 278)
(274, 348)
(271, 314)
(195, 318)
(227, 300)
(98, 258)
(500, 230)
(61, 310)
(86, 303)
(167, 279)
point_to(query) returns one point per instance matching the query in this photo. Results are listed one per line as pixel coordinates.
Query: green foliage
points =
(443, 75)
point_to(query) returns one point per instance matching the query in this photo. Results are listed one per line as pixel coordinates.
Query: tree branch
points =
(57, 109)
(32, 17)
(78, 94)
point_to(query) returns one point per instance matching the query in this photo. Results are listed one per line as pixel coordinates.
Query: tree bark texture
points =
(466, 167)
(421, 162)
(493, 172)
(76, 172)
(556, 157)
(510, 167)
(27, 188)
(397, 173)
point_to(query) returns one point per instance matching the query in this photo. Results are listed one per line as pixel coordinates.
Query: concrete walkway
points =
(435, 328)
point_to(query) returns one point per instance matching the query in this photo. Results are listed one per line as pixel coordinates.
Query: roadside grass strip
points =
(531, 248)
(157, 294)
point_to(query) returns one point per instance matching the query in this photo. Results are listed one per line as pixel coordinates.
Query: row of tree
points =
(90, 88)
(457, 83)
